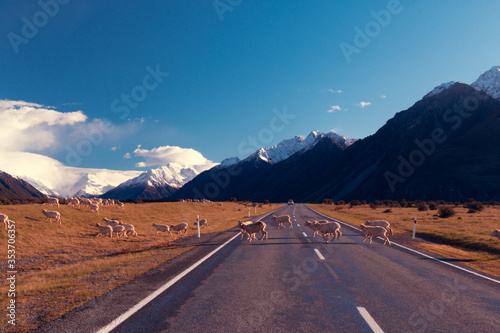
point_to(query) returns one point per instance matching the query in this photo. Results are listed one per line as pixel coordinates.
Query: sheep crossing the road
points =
(326, 228)
(252, 228)
(376, 231)
(381, 223)
(283, 219)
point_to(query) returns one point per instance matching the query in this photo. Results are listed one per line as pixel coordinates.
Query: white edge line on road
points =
(319, 254)
(420, 253)
(369, 320)
(153, 295)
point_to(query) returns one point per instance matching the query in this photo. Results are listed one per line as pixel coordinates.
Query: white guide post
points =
(198, 224)
(248, 211)
(414, 227)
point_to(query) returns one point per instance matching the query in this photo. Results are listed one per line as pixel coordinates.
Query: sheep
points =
(5, 219)
(381, 223)
(282, 219)
(94, 208)
(104, 230)
(313, 227)
(203, 223)
(111, 222)
(495, 233)
(162, 228)
(253, 228)
(376, 231)
(53, 202)
(52, 215)
(328, 229)
(119, 230)
(243, 231)
(73, 202)
(128, 228)
(179, 227)
(121, 205)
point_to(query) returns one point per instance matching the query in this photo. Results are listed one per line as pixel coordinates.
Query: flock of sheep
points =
(112, 227)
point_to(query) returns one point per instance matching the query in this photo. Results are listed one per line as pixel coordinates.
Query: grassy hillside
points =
(60, 267)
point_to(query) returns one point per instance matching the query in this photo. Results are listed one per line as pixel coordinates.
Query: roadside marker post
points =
(248, 211)
(414, 227)
(198, 224)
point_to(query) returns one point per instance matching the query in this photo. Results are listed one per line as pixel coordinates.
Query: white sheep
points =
(121, 205)
(381, 223)
(94, 208)
(161, 228)
(253, 228)
(203, 223)
(495, 233)
(312, 226)
(243, 231)
(5, 219)
(283, 219)
(73, 202)
(53, 202)
(376, 231)
(111, 222)
(52, 215)
(183, 226)
(104, 230)
(128, 228)
(328, 229)
(119, 230)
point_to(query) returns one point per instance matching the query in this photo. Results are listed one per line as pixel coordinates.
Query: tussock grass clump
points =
(446, 211)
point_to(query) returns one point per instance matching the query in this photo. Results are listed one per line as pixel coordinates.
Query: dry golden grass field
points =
(464, 237)
(60, 267)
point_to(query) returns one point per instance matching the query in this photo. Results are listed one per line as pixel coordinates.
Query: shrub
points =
(266, 202)
(233, 200)
(353, 203)
(433, 205)
(388, 211)
(446, 211)
(340, 203)
(327, 201)
(423, 207)
(373, 206)
(474, 207)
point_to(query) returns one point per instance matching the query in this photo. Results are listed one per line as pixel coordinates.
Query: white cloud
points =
(172, 154)
(34, 127)
(364, 104)
(383, 96)
(335, 91)
(334, 108)
(127, 155)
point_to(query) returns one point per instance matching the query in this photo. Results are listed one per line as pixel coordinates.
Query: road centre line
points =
(319, 254)
(305, 235)
(414, 251)
(369, 320)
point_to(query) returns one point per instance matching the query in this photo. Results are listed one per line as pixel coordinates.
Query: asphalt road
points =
(294, 283)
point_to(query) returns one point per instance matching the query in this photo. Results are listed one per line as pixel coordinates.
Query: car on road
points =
(290, 202)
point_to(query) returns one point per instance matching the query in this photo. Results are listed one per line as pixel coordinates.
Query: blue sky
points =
(209, 75)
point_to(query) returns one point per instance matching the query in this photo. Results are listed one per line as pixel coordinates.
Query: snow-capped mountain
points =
(489, 82)
(154, 184)
(440, 88)
(288, 147)
(53, 178)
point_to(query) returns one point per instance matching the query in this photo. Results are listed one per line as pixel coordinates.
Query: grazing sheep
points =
(203, 223)
(381, 223)
(111, 222)
(376, 231)
(104, 230)
(495, 233)
(5, 219)
(282, 219)
(252, 229)
(94, 208)
(328, 229)
(52, 215)
(121, 205)
(119, 230)
(73, 202)
(53, 202)
(128, 228)
(183, 226)
(162, 228)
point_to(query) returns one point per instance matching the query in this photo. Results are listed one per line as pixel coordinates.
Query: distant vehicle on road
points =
(290, 202)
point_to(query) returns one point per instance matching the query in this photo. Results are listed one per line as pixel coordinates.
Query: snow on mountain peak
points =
(489, 82)
(172, 174)
(288, 147)
(440, 88)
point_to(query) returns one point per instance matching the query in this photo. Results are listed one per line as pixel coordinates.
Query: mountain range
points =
(445, 146)
(14, 188)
